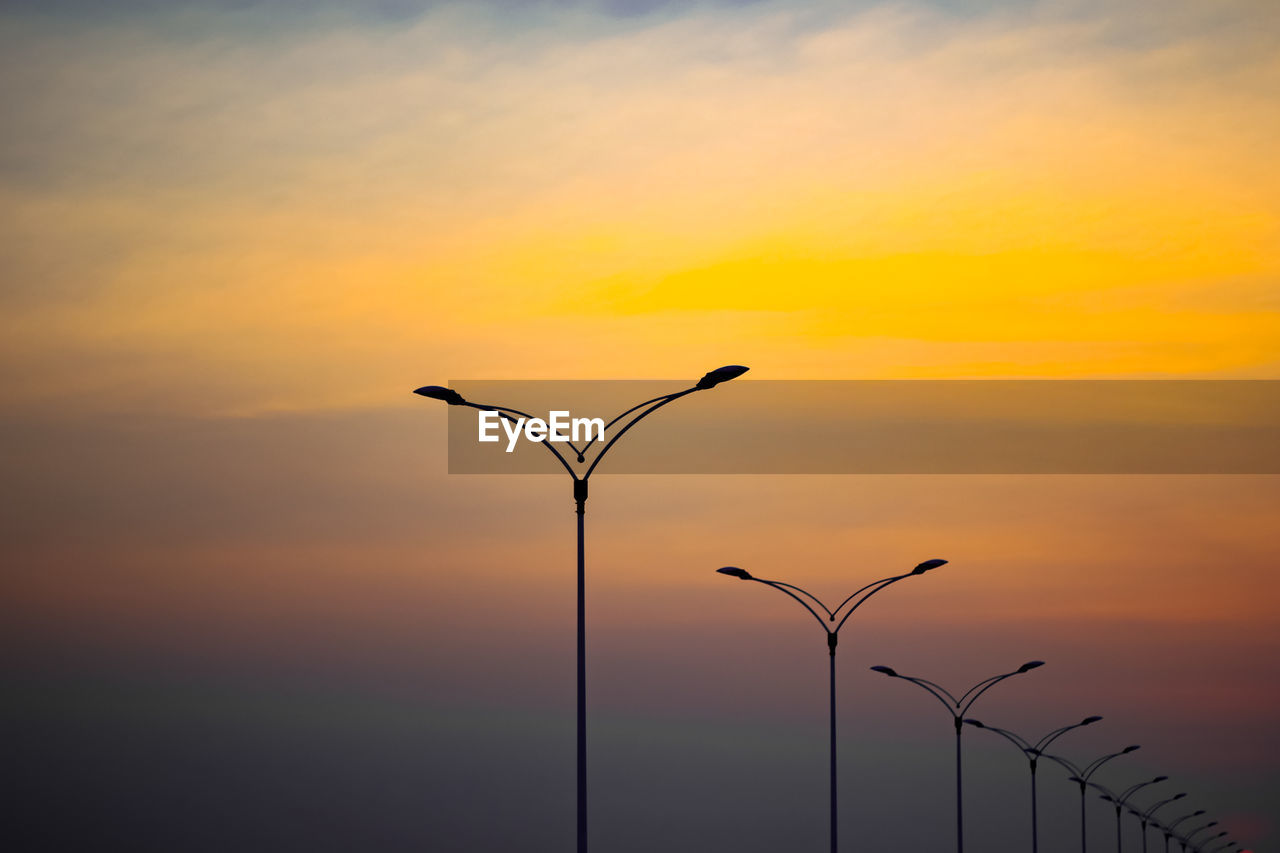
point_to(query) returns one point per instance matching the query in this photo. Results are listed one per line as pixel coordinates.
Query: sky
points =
(245, 605)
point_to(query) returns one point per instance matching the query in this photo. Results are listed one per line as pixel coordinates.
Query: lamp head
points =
(886, 670)
(720, 374)
(1029, 665)
(1178, 796)
(928, 565)
(976, 723)
(1129, 749)
(1157, 779)
(439, 392)
(1088, 721)
(735, 572)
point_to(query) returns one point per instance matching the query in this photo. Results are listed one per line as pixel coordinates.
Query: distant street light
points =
(1032, 753)
(453, 398)
(1082, 775)
(1121, 800)
(1145, 816)
(1184, 840)
(958, 708)
(1169, 828)
(857, 598)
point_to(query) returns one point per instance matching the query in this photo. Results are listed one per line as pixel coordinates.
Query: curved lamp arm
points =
(983, 686)
(1017, 740)
(1070, 767)
(1044, 742)
(1145, 816)
(506, 413)
(711, 379)
(922, 684)
(1097, 763)
(792, 590)
(1171, 827)
(620, 433)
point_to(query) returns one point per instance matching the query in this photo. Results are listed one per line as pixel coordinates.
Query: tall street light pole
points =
(1121, 800)
(1186, 839)
(958, 707)
(1145, 816)
(1169, 828)
(1081, 775)
(1032, 752)
(833, 635)
(648, 407)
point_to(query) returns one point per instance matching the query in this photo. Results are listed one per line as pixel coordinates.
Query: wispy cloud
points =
(902, 185)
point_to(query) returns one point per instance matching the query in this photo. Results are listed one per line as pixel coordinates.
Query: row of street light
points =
(835, 619)
(958, 707)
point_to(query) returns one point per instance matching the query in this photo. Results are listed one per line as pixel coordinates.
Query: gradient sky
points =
(243, 603)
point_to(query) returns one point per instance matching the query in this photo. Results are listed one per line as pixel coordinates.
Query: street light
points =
(453, 398)
(833, 635)
(1121, 800)
(1082, 776)
(958, 708)
(1187, 839)
(1145, 816)
(1168, 829)
(1200, 845)
(1032, 752)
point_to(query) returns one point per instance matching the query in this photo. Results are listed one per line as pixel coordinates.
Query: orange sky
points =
(236, 238)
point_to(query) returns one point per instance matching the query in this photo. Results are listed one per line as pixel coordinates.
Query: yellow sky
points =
(252, 226)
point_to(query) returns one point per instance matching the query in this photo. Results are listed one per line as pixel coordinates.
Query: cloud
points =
(267, 208)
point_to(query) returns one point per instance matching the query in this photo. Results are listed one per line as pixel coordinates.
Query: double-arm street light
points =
(1032, 752)
(1145, 815)
(958, 707)
(1121, 800)
(1082, 775)
(1168, 829)
(631, 417)
(850, 604)
(1185, 840)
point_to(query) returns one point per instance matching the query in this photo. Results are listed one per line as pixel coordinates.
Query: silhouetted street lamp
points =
(1032, 753)
(1168, 829)
(1121, 800)
(1145, 816)
(453, 398)
(1184, 840)
(1082, 776)
(958, 708)
(1202, 844)
(833, 634)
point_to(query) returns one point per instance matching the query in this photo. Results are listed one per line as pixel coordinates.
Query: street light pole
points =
(453, 398)
(1168, 829)
(958, 708)
(1032, 751)
(1186, 839)
(833, 635)
(1082, 776)
(1145, 816)
(1120, 800)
